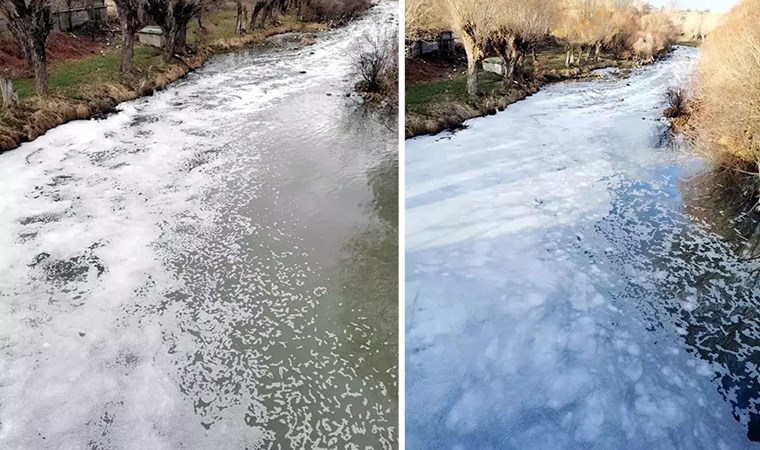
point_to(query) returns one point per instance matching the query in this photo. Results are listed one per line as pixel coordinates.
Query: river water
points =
(213, 266)
(575, 281)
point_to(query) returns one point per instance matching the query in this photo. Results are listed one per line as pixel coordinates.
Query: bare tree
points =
(474, 22)
(516, 31)
(173, 16)
(587, 25)
(375, 54)
(130, 19)
(29, 23)
(422, 17)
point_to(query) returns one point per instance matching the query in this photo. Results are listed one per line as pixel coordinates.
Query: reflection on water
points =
(369, 272)
(685, 250)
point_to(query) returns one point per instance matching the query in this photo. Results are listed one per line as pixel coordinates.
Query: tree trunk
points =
(472, 77)
(258, 5)
(473, 58)
(501, 50)
(568, 54)
(170, 38)
(8, 94)
(68, 14)
(39, 65)
(180, 42)
(597, 50)
(239, 28)
(127, 48)
(572, 56)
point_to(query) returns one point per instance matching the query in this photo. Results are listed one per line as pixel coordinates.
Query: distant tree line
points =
(512, 28)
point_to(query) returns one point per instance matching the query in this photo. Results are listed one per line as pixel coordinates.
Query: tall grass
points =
(726, 116)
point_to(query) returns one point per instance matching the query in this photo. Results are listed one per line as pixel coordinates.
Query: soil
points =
(60, 47)
(432, 67)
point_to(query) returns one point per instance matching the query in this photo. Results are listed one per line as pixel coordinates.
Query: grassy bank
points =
(436, 98)
(84, 87)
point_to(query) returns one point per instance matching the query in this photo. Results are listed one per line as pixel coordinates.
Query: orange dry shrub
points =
(657, 34)
(726, 117)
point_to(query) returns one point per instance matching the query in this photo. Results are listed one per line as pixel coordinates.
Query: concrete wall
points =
(156, 40)
(494, 65)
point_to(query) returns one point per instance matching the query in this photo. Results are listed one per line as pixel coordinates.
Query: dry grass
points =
(81, 91)
(34, 116)
(725, 117)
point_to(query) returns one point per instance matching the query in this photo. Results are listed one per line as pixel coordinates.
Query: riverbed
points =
(212, 266)
(573, 281)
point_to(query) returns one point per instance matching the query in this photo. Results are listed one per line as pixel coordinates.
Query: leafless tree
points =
(29, 23)
(516, 31)
(375, 54)
(473, 21)
(173, 16)
(130, 14)
(422, 17)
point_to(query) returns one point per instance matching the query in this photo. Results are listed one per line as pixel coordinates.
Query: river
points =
(212, 266)
(574, 280)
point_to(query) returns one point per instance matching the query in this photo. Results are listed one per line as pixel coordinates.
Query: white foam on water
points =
(117, 327)
(539, 313)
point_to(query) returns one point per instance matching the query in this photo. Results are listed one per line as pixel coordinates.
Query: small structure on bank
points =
(151, 35)
(443, 43)
(69, 14)
(494, 64)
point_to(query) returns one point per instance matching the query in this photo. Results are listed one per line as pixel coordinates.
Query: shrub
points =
(375, 60)
(726, 120)
(676, 102)
(333, 10)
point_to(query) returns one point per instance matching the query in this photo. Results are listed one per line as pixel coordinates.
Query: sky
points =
(715, 5)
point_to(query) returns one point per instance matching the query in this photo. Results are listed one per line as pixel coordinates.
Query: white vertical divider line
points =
(401, 230)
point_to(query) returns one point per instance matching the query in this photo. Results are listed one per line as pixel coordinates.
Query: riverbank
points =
(436, 97)
(88, 86)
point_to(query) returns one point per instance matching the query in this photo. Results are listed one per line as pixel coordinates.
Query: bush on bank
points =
(725, 116)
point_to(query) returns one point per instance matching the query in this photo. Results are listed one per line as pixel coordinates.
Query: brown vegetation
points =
(32, 117)
(335, 11)
(725, 110)
(375, 60)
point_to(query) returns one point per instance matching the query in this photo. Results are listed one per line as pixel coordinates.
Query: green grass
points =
(421, 96)
(69, 77)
